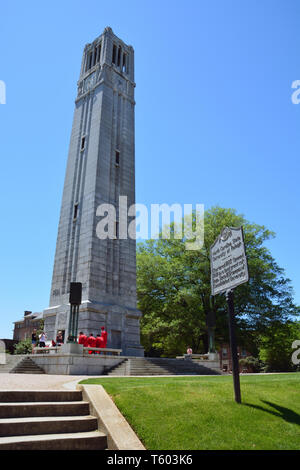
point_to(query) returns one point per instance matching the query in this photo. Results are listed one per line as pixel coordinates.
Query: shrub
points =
(23, 347)
(253, 362)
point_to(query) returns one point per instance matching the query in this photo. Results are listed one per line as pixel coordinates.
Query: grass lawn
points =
(187, 413)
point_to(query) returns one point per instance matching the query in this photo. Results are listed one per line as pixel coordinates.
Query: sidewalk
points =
(39, 381)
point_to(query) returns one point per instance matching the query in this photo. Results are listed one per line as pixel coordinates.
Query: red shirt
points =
(99, 342)
(104, 337)
(91, 342)
(82, 339)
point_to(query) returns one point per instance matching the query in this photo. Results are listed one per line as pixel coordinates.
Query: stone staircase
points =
(160, 366)
(27, 366)
(10, 363)
(120, 369)
(48, 420)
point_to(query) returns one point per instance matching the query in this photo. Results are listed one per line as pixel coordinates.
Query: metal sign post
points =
(233, 347)
(229, 269)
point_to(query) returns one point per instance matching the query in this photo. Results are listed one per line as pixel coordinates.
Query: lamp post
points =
(75, 301)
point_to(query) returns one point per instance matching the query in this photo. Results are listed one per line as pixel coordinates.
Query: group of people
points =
(100, 341)
(91, 341)
(38, 339)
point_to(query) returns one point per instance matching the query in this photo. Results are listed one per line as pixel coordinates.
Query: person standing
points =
(59, 338)
(42, 339)
(82, 338)
(33, 339)
(99, 343)
(104, 336)
(91, 342)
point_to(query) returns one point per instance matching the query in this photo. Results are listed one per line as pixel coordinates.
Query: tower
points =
(100, 169)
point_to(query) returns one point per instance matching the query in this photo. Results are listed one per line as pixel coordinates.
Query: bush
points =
(23, 347)
(253, 362)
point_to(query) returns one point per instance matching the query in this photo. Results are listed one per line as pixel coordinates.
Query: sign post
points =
(229, 268)
(233, 347)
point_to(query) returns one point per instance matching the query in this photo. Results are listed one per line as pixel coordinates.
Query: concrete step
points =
(162, 366)
(119, 369)
(11, 362)
(47, 425)
(48, 420)
(6, 368)
(29, 409)
(148, 369)
(95, 440)
(27, 366)
(39, 395)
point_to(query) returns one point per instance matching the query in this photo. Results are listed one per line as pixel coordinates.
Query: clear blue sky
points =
(215, 123)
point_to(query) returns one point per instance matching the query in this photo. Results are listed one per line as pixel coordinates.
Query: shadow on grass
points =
(281, 412)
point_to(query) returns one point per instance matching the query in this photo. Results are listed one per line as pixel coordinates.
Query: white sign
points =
(228, 262)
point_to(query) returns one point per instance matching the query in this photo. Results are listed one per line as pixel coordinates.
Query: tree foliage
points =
(23, 347)
(174, 294)
(276, 346)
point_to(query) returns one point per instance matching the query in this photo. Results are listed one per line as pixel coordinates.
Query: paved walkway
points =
(39, 381)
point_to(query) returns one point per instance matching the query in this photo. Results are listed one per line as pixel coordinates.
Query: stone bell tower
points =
(100, 169)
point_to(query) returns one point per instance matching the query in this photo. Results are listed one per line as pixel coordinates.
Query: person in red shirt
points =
(82, 338)
(99, 343)
(91, 342)
(104, 336)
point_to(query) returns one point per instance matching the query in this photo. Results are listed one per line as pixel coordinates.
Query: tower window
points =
(75, 211)
(117, 160)
(82, 145)
(124, 63)
(98, 53)
(89, 61)
(119, 56)
(95, 55)
(114, 56)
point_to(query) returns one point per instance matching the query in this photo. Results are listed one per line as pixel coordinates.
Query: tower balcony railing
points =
(86, 351)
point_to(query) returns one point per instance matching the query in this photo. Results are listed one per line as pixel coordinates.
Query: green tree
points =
(40, 328)
(173, 288)
(276, 346)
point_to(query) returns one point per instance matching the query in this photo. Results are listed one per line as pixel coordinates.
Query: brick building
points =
(225, 358)
(23, 328)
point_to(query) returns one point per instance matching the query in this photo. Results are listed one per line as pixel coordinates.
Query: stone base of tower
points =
(122, 324)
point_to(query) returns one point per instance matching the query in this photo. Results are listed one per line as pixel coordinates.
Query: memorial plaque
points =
(228, 262)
